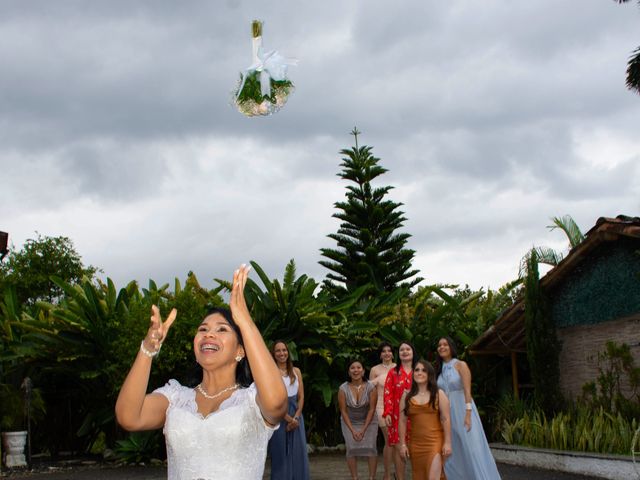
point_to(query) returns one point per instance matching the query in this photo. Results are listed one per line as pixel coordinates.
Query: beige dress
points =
(378, 381)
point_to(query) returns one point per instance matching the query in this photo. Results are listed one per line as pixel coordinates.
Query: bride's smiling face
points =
(215, 342)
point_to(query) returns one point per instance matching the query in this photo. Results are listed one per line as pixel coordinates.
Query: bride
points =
(221, 428)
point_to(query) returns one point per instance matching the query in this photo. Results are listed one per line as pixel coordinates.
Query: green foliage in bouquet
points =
(251, 91)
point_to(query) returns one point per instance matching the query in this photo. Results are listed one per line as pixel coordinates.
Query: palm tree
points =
(548, 255)
(633, 66)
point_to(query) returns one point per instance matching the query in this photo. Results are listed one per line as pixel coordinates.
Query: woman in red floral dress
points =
(398, 381)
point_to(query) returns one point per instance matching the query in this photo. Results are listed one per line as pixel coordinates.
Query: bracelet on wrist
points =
(468, 406)
(149, 353)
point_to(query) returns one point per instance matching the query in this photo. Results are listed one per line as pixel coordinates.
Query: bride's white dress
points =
(230, 443)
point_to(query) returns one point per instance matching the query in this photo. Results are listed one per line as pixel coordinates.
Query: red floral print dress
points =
(394, 386)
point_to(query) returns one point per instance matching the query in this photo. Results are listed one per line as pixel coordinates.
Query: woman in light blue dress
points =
(288, 445)
(470, 453)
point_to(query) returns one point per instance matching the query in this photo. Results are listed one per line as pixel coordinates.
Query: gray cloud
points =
(117, 129)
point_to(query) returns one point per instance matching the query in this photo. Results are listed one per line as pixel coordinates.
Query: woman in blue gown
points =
(288, 445)
(470, 453)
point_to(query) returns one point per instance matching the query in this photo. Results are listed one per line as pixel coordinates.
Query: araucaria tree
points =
(369, 250)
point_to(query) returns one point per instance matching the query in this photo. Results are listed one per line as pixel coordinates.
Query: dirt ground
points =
(322, 466)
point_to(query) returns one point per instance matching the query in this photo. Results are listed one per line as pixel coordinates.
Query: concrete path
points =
(323, 467)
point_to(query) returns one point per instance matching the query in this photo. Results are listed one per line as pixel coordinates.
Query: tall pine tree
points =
(369, 250)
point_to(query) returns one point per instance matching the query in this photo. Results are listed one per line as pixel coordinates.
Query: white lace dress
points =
(230, 443)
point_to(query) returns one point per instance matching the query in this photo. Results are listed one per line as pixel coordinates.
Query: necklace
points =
(387, 365)
(359, 387)
(211, 397)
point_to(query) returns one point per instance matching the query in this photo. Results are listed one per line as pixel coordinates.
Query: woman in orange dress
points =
(427, 407)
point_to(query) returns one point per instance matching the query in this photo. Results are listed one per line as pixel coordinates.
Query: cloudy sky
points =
(117, 129)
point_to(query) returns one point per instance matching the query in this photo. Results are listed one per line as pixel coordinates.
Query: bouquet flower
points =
(263, 88)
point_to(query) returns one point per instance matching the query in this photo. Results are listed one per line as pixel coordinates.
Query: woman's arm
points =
(135, 410)
(300, 392)
(373, 375)
(465, 374)
(272, 395)
(294, 422)
(402, 427)
(445, 420)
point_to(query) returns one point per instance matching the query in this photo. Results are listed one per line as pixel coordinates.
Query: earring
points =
(239, 357)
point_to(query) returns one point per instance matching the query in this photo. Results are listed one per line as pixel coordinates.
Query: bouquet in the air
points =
(263, 88)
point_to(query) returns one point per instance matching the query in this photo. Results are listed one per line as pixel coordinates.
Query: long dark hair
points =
(243, 370)
(414, 358)
(432, 386)
(290, 372)
(452, 348)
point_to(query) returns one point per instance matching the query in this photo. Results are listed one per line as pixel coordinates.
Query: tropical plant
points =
(436, 311)
(80, 349)
(579, 429)
(139, 447)
(13, 374)
(16, 410)
(369, 249)
(548, 255)
(506, 412)
(616, 369)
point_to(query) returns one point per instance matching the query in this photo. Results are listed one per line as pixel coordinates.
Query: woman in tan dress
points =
(378, 376)
(427, 408)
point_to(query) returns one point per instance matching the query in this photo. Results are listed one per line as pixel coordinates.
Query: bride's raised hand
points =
(237, 303)
(158, 329)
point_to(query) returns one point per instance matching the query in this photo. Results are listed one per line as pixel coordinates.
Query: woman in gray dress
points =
(357, 399)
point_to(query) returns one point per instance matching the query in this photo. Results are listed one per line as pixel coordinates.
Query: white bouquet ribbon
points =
(271, 64)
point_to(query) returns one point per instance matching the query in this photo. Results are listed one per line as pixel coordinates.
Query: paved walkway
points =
(323, 467)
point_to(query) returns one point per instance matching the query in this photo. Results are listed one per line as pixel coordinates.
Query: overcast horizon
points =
(118, 131)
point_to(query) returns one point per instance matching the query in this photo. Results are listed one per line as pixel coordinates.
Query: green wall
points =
(605, 286)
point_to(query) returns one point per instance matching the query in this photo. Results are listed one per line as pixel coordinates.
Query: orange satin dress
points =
(427, 437)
